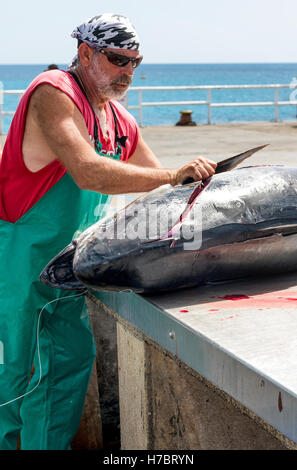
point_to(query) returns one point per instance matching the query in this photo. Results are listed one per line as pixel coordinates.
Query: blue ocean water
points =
(19, 77)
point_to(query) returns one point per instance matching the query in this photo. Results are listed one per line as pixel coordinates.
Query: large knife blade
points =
(230, 163)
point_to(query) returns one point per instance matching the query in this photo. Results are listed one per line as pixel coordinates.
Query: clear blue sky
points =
(171, 31)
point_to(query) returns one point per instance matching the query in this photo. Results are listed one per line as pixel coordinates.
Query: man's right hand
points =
(198, 169)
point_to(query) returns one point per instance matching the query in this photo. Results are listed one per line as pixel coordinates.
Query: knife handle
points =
(188, 180)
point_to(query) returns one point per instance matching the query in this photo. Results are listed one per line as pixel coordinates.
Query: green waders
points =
(47, 418)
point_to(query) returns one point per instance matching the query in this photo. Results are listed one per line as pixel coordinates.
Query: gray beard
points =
(112, 94)
(103, 88)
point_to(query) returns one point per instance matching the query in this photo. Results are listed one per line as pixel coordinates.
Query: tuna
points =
(235, 225)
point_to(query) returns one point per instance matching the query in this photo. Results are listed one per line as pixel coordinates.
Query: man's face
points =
(109, 79)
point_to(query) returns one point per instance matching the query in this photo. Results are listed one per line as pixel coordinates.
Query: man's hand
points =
(198, 169)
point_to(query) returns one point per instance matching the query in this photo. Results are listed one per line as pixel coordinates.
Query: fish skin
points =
(249, 222)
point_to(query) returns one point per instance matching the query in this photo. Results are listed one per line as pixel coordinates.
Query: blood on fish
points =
(197, 191)
(213, 310)
(184, 311)
(234, 297)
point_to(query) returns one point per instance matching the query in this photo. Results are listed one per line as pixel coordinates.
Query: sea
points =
(19, 77)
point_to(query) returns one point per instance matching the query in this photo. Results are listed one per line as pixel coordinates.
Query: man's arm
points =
(65, 132)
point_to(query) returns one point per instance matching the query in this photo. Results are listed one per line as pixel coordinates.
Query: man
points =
(69, 147)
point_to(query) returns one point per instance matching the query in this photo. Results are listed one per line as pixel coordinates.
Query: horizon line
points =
(160, 63)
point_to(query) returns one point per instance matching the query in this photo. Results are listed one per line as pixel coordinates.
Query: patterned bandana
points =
(108, 30)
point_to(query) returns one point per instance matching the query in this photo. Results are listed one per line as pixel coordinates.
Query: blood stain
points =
(184, 311)
(288, 298)
(213, 310)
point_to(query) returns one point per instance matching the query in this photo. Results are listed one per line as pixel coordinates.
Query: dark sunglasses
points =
(121, 60)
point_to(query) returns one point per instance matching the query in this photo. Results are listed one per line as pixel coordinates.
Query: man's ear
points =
(86, 54)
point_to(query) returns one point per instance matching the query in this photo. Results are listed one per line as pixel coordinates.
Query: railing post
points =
(276, 104)
(1, 108)
(140, 107)
(209, 106)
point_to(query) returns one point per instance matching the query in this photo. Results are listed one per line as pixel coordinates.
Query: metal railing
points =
(207, 102)
(3, 92)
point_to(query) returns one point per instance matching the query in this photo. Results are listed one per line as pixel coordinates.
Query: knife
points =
(230, 163)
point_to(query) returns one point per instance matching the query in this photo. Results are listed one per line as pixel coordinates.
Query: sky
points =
(171, 31)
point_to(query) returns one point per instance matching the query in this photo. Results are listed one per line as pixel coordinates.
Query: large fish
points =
(235, 225)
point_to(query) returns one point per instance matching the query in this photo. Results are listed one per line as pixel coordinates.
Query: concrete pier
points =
(175, 146)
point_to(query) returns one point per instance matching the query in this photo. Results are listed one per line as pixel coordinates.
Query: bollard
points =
(185, 119)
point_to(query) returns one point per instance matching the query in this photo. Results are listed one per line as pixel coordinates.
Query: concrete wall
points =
(166, 406)
(104, 329)
(163, 403)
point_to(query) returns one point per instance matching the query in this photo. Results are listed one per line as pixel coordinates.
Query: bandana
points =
(108, 30)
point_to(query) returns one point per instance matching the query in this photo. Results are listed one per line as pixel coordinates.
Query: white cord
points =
(38, 351)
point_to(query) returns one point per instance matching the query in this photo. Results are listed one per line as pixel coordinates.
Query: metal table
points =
(241, 336)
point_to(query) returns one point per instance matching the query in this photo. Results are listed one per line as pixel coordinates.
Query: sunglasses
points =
(121, 60)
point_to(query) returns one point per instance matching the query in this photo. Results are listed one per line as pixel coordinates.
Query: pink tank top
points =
(21, 188)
